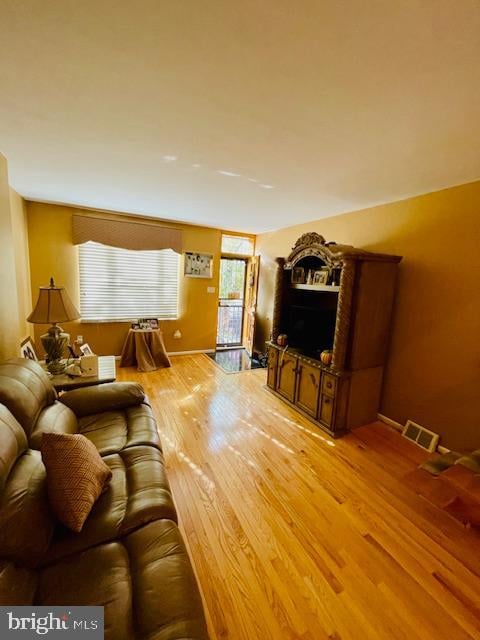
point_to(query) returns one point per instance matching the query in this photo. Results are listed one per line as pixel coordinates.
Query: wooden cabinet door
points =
(286, 375)
(326, 410)
(272, 367)
(329, 384)
(308, 388)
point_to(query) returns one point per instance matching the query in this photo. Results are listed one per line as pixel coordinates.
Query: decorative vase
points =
(326, 357)
(282, 340)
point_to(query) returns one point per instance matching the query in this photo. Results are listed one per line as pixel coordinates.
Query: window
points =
(120, 284)
(238, 245)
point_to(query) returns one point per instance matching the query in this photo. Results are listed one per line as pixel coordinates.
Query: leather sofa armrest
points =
(112, 396)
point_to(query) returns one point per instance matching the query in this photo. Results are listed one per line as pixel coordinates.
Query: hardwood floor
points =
(294, 535)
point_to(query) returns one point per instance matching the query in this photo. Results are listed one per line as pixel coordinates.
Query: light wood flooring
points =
(294, 535)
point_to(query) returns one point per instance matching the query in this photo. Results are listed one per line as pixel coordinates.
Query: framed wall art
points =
(198, 265)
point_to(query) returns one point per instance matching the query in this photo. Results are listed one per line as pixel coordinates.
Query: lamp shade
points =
(53, 305)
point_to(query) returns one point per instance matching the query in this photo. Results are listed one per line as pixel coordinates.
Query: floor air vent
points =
(421, 436)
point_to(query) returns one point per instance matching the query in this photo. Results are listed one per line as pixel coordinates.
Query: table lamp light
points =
(53, 306)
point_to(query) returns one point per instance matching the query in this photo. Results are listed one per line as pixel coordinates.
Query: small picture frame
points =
(298, 275)
(86, 349)
(321, 276)
(27, 350)
(152, 322)
(198, 265)
(135, 326)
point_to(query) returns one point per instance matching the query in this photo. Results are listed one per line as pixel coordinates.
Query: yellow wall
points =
(18, 211)
(53, 254)
(433, 372)
(14, 270)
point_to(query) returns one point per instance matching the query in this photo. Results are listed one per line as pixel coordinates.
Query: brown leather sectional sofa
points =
(130, 556)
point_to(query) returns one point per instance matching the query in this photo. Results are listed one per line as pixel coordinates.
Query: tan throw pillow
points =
(76, 476)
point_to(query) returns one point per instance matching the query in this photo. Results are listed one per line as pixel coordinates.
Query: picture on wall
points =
(198, 265)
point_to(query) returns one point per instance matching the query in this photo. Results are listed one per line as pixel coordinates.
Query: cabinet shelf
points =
(317, 287)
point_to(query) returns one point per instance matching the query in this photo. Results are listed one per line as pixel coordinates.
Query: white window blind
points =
(120, 284)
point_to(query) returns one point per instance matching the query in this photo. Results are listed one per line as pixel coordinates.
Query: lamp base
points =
(55, 342)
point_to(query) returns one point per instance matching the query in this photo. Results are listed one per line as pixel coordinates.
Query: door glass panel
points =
(231, 302)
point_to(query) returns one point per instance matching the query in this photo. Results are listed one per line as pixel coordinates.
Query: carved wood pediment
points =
(314, 244)
(309, 239)
(333, 254)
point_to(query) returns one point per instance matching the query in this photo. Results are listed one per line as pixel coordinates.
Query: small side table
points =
(106, 373)
(144, 348)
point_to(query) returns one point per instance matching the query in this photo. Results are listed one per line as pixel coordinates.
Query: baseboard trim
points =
(443, 450)
(399, 427)
(179, 353)
(189, 353)
(392, 423)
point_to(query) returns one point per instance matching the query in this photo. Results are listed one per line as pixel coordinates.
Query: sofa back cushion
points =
(13, 443)
(110, 396)
(26, 520)
(25, 390)
(56, 418)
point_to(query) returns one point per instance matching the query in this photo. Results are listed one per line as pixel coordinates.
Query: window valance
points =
(125, 234)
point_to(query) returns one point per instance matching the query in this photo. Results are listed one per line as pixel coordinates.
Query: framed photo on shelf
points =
(27, 349)
(86, 349)
(321, 276)
(198, 265)
(298, 275)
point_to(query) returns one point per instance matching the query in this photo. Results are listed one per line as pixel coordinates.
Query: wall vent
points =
(423, 437)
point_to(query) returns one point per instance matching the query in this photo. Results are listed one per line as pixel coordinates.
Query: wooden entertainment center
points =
(344, 304)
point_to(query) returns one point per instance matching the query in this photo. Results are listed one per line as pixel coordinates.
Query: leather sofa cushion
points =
(13, 443)
(76, 476)
(165, 593)
(144, 581)
(112, 431)
(25, 390)
(56, 418)
(17, 585)
(137, 494)
(103, 397)
(26, 520)
(98, 576)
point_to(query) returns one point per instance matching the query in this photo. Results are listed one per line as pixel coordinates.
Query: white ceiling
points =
(149, 106)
